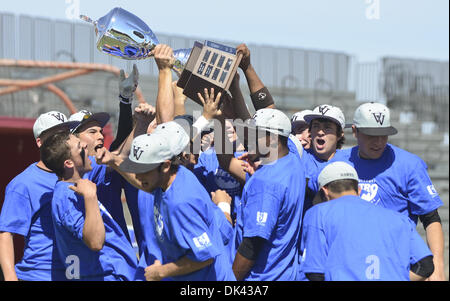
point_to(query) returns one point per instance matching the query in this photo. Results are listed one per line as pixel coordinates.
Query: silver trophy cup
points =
(124, 35)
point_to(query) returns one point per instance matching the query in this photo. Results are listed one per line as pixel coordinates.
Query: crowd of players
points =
(226, 197)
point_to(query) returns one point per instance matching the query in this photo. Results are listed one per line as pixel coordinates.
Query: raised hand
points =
(245, 61)
(163, 56)
(128, 85)
(145, 112)
(103, 156)
(210, 104)
(85, 188)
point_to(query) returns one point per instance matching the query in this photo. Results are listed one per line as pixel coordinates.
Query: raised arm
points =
(179, 99)
(260, 95)
(165, 108)
(93, 228)
(127, 87)
(224, 148)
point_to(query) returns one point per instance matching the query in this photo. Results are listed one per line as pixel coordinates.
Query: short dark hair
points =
(175, 164)
(339, 131)
(55, 150)
(340, 186)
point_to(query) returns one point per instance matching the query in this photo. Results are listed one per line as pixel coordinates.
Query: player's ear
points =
(354, 131)
(69, 164)
(324, 194)
(359, 190)
(165, 166)
(38, 142)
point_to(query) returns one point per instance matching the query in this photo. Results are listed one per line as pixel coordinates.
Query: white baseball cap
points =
(337, 171)
(327, 112)
(84, 116)
(270, 120)
(148, 151)
(374, 119)
(52, 120)
(300, 116)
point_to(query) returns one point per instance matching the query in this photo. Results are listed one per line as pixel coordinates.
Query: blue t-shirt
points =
(272, 204)
(109, 193)
(186, 224)
(27, 211)
(314, 166)
(150, 248)
(398, 180)
(348, 239)
(115, 261)
(213, 177)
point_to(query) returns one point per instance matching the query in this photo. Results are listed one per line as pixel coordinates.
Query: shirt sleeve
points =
(422, 195)
(192, 232)
(71, 217)
(313, 244)
(262, 210)
(16, 213)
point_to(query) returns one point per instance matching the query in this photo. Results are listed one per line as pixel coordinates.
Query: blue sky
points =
(367, 29)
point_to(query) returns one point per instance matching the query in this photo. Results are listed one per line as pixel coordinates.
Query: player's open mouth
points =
(97, 147)
(320, 142)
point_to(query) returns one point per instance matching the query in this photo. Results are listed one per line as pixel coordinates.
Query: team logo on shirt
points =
(202, 241)
(379, 117)
(369, 192)
(159, 224)
(261, 218)
(431, 190)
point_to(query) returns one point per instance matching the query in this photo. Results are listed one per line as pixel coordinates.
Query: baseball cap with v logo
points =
(148, 151)
(373, 119)
(327, 112)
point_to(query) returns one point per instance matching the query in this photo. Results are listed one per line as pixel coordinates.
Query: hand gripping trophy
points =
(124, 35)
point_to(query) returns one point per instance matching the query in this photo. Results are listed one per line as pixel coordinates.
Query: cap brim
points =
(68, 125)
(133, 167)
(308, 118)
(298, 122)
(102, 118)
(386, 131)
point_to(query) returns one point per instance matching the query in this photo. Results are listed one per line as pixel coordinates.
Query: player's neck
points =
(325, 156)
(71, 176)
(42, 166)
(168, 180)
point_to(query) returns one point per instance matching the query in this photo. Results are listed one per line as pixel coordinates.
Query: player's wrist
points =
(125, 99)
(89, 196)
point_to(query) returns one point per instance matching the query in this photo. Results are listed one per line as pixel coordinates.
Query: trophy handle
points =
(87, 19)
